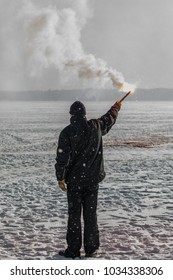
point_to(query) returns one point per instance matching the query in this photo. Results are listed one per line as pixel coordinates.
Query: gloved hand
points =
(62, 185)
(118, 105)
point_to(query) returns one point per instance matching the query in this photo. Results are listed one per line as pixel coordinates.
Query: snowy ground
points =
(135, 207)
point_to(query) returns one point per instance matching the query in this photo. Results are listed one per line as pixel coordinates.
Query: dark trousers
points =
(82, 198)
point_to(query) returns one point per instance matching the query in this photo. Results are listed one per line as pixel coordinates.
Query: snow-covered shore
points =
(135, 207)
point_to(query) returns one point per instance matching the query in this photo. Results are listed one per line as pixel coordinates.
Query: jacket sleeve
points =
(108, 120)
(62, 156)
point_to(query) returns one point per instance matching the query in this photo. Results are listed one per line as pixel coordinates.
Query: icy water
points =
(135, 207)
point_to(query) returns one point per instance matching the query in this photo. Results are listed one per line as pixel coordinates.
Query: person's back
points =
(80, 152)
(85, 163)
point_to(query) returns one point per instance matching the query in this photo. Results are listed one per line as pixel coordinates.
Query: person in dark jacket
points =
(79, 170)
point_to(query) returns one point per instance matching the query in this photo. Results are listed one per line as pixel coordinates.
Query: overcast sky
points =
(134, 37)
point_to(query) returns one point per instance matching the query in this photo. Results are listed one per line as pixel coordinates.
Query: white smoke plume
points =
(53, 38)
(43, 38)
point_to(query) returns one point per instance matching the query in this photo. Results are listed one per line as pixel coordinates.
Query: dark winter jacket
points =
(80, 150)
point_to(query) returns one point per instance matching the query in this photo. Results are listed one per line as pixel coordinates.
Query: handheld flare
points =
(124, 96)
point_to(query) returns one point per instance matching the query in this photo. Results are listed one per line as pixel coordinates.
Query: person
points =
(79, 170)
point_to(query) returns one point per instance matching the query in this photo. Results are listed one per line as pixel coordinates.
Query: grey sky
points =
(136, 37)
(133, 36)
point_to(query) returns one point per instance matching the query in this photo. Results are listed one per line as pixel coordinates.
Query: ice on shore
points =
(135, 206)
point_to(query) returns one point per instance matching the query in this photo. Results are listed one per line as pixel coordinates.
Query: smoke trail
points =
(53, 39)
(90, 67)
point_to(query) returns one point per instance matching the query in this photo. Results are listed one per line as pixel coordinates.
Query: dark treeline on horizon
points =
(160, 94)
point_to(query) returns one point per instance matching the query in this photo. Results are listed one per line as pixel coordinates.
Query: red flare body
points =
(124, 96)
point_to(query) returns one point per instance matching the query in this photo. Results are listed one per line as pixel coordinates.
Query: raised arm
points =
(108, 120)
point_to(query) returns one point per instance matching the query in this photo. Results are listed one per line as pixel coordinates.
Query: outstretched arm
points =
(109, 119)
